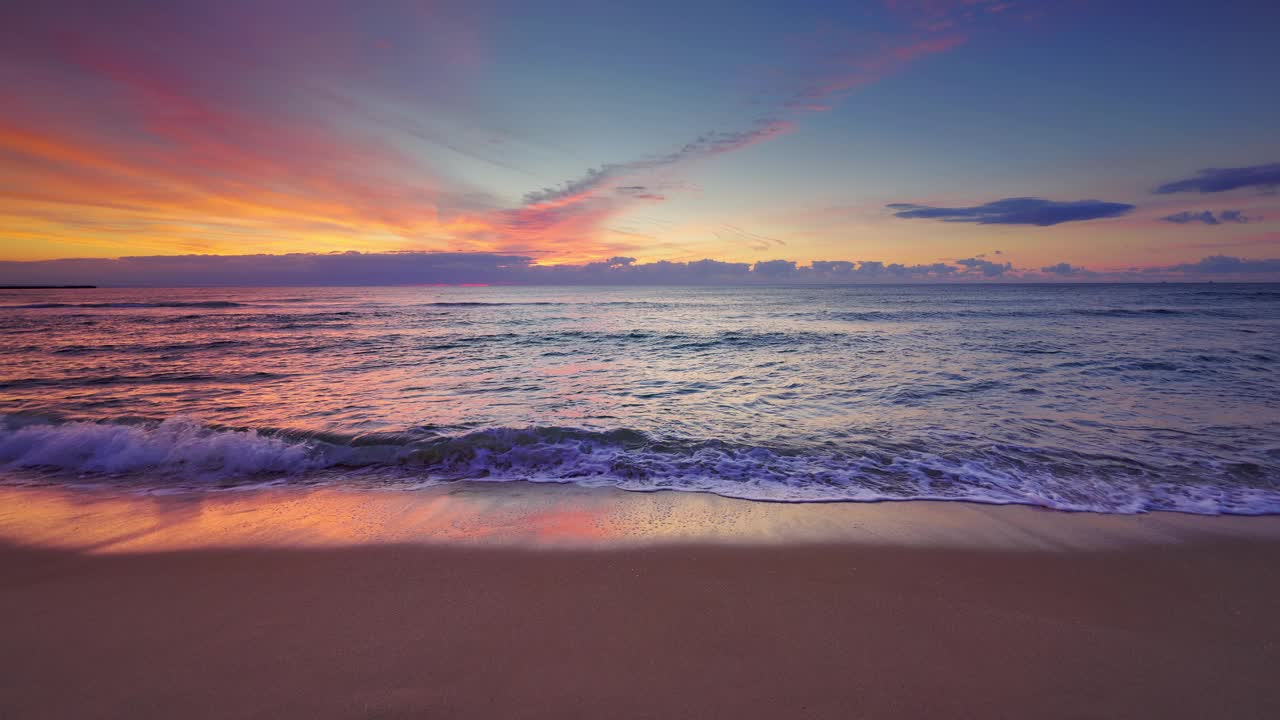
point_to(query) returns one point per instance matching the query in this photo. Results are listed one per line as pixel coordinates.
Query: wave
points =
(202, 304)
(161, 378)
(184, 451)
(1154, 311)
(138, 349)
(855, 316)
(614, 303)
(180, 445)
(484, 304)
(873, 316)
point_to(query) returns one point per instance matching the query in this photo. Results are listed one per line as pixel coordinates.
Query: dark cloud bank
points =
(410, 268)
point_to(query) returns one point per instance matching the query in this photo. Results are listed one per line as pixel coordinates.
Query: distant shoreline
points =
(48, 287)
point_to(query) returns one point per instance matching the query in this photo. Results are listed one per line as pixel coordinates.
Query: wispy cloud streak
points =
(168, 115)
(838, 64)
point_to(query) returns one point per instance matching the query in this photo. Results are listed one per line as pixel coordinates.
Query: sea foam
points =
(182, 452)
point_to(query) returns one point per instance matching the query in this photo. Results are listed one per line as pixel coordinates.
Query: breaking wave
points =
(183, 452)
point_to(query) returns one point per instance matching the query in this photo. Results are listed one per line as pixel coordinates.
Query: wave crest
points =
(179, 445)
(182, 448)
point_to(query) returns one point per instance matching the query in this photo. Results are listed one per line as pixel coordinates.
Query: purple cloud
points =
(1063, 269)
(1228, 265)
(418, 268)
(1214, 180)
(1015, 211)
(1208, 218)
(986, 267)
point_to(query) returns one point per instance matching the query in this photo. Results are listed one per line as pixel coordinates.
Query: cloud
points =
(708, 144)
(838, 60)
(412, 268)
(1228, 265)
(740, 237)
(1189, 216)
(577, 209)
(853, 70)
(833, 267)
(280, 127)
(875, 270)
(174, 131)
(640, 192)
(416, 268)
(349, 268)
(774, 268)
(1215, 180)
(1236, 216)
(1215, 267)
(844, 62)
(1063, 269)
(986, 267)
(1208, 218)
(1015, 211)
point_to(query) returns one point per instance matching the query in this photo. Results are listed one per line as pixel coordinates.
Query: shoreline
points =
(553, 515)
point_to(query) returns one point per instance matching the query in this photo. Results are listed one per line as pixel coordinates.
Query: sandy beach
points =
(1175, 621)
(885, 360)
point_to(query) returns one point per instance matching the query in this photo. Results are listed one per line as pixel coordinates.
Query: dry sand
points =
(1163, 625)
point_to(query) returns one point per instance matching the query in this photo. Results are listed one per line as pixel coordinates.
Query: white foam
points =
(183, 447)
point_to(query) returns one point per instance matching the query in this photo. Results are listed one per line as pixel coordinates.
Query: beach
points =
(229, 605)
(894, 359)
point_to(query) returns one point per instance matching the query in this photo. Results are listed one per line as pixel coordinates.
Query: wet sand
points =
(1177, 621)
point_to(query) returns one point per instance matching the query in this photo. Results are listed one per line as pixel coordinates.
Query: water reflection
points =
(107, 521)
(557, 516)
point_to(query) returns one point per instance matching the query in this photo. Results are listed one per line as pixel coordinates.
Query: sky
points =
(413, 141)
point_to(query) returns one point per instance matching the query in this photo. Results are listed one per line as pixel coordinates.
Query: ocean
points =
(1106, 398)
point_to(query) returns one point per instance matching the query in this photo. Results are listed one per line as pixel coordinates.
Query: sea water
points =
(1110, 398)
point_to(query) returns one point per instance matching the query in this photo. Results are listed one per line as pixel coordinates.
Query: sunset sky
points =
(1076, 138)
